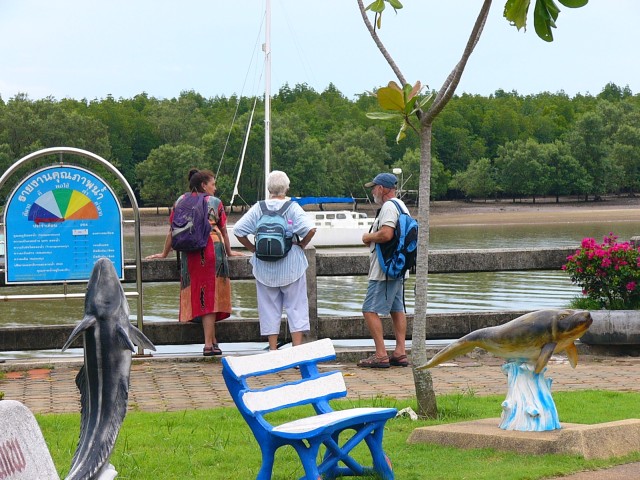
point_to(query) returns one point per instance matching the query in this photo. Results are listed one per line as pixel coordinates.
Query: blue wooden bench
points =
(306, 434)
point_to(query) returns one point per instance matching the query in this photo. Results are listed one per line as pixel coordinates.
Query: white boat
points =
(334, 228)
(339, 228)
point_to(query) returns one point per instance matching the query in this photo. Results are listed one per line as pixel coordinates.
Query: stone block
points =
(613, 327)
(603, 440)
(23, 452)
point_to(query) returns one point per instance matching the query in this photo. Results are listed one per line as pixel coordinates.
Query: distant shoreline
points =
(460, 213)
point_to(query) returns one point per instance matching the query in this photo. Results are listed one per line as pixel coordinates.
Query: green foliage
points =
(401, 104)
(204, 444)
(440, 176)
(544, 16)
(607, 272)
(378, 7)
(160, 183)
(522, 168)
(586, 145)
(478, 181)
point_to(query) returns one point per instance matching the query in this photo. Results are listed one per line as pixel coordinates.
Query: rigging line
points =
(239, 98)
(244, 150)
(302, 59)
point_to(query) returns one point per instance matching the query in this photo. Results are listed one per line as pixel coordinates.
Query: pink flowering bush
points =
(608, 272)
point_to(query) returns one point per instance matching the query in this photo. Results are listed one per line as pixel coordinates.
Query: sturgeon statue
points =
(103, 380)
(532, 337)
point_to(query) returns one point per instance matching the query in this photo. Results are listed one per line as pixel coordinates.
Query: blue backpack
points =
(190, 227)
(273, 239)
(398, 255)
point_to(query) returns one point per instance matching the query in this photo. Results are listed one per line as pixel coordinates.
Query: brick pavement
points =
(170, 385)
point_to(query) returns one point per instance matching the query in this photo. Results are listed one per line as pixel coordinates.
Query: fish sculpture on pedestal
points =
(527, 342)
(532, 337)
(103, 380)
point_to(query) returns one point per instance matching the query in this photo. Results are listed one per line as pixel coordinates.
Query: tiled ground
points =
(169, 386)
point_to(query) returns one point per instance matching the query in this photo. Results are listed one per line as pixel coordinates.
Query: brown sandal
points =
(212, 350)
(375, 361)
(399, 361)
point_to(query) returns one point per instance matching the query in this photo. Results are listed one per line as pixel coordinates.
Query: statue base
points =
(529, 406)
(604, 440)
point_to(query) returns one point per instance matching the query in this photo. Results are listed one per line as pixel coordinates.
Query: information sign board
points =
(58, 222)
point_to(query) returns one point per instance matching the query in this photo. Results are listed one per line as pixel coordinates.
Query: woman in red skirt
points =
(205, 288)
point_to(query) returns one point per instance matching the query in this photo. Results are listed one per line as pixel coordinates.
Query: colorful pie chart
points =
(62, 204)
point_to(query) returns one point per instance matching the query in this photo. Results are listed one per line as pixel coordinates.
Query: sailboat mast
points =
(267, 96)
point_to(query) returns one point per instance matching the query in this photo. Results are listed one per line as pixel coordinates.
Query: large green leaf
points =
(516, 12)
(544, 18)
(391, 99)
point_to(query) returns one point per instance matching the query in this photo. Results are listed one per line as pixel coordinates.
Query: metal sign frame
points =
(61, 151)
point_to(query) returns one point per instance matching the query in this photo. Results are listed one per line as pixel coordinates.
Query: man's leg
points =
(399, 319)
(375, 302)
(375, 329)
(400, 331)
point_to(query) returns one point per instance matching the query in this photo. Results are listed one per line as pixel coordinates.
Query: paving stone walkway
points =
(159, 385)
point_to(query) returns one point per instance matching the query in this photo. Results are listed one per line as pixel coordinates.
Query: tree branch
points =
(451, 83)
(381, 47)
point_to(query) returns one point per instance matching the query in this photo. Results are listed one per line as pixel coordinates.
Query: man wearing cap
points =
(384, 295)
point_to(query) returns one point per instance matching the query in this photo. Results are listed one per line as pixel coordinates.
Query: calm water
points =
(482, 291)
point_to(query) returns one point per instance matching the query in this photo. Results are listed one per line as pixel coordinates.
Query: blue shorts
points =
(384, 296)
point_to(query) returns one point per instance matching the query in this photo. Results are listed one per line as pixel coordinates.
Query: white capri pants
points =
(292, 297)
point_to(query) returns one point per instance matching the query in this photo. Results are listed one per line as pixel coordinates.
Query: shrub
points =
(607, 272)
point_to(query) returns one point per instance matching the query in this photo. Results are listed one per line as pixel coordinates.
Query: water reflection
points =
(337, 296)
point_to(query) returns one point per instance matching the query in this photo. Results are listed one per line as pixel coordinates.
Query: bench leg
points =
(335, 454)
(266, 469)
(381, 462)
(372, 435)
(308, 456)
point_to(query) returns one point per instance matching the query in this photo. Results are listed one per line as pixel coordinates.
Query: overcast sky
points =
(90, 49)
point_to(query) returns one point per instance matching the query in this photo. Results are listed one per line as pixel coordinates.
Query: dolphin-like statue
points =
(103, 380)
(532, 337)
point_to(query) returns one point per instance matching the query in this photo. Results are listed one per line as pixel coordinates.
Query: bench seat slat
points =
(270, 362)
(310, 426)
(325, 386)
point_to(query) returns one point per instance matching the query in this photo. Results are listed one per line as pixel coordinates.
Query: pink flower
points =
(631, 286)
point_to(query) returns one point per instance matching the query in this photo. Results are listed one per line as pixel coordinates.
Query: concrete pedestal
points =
(604, 440)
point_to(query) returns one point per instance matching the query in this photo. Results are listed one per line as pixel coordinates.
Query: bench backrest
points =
(312, 388)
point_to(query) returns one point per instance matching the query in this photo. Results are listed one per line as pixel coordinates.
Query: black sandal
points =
(207, 351)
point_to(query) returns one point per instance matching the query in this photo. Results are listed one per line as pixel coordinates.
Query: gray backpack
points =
(273, 240)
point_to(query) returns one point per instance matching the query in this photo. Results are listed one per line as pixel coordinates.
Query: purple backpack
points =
(190, 227)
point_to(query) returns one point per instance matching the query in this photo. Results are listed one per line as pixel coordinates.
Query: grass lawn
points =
(217, 444)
